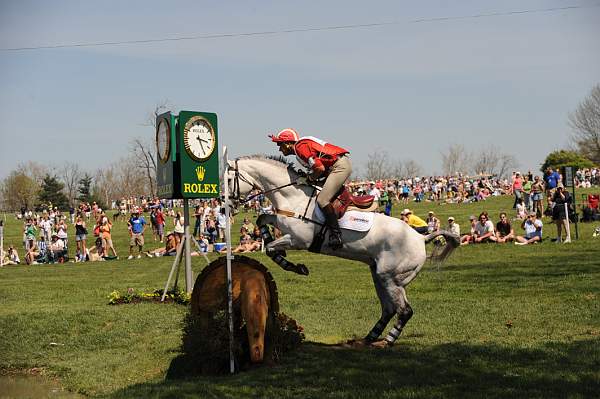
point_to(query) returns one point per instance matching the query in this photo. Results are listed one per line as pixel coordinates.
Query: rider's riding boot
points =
(335, 234)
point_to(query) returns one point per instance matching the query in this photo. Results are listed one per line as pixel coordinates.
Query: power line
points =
(300, 30)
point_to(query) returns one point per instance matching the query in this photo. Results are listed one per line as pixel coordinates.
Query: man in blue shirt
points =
(137, 226)
(551, 178)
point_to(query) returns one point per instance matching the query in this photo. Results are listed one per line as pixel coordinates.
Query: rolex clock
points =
(198, 154)
(166, 154)
(199, 138)
(163, 139)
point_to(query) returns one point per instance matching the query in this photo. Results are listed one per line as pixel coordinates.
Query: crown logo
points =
(200, 171)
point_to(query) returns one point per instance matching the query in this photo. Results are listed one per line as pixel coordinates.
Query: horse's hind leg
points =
(405, 312)
(387, 308)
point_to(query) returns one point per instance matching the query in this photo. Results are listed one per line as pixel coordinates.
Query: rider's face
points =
(286, 148)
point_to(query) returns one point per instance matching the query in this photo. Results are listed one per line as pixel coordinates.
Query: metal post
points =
(229, 257)
(1, 243)
(189, 284)
(174, 268)
(575, 208)
(568, 224)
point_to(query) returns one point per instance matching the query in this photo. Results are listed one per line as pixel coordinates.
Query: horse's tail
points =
(442, 248)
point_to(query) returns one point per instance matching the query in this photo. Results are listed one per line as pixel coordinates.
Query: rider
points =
(323, 160)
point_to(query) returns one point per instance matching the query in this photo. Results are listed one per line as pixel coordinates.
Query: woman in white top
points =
(179, 222)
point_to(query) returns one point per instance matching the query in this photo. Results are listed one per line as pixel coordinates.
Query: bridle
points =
(236, 186)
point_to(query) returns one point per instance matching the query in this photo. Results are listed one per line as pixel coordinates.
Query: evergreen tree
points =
(559, 159)
(51, 193)
(84, 189)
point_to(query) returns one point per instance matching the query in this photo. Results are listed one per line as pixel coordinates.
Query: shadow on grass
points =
(448, 370)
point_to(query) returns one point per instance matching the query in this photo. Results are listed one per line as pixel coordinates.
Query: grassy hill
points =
(495, 321)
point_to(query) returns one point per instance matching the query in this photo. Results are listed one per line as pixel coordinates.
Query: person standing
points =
(517, 188)
(562, 199)
(136, 226)
(80, 237)
(537, 194)
(527, 193)
(160, 223)
(105, 234)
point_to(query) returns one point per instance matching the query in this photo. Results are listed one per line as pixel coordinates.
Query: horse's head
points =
(240, 184)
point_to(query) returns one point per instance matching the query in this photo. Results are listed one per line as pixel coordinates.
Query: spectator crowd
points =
(46, 238)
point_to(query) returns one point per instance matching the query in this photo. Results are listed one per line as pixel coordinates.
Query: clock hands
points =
(200, 141)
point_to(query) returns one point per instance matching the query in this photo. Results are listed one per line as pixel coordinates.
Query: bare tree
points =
(455, 160)
(412, 168)
(143, 152)
(486, 160)
(506, 163)
(378, 166)
(585, 122)
(70, 174)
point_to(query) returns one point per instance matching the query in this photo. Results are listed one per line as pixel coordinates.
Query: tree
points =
(491, 160)
(84, 188)
(455, 160)
(19, 190)
(412, 168)
(143, 152)
(585, 122)
(378, 166)
(559, 159)
(70, 175)
(51, 193)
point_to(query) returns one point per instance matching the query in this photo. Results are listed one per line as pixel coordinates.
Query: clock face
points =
(199, 138)
(163, 140)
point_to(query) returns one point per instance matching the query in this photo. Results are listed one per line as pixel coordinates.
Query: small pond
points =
(32, 386)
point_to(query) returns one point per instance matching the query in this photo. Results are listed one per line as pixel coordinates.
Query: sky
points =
(405, 86)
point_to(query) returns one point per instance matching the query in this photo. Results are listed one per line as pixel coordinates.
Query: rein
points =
(237, 195)
(236, 186)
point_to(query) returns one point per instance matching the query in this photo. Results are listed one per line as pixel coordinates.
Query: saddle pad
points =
(352, 220)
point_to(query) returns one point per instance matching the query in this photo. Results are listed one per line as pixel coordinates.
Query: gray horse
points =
(394, 251)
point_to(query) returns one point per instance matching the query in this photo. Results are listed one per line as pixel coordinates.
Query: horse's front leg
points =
(275, 249)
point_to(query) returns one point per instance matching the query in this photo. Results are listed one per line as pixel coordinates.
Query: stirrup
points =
(335, 239)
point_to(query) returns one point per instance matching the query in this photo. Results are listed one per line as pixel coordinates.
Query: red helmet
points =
(284, 136)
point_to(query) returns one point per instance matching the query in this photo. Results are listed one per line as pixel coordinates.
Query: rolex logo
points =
(200, 171)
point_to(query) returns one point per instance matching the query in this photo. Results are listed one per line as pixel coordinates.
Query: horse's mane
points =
(278, 160)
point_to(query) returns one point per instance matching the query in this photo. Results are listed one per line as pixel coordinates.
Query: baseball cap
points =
(451, 218)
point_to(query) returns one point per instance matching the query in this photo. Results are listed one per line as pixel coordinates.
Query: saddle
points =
(344, 201)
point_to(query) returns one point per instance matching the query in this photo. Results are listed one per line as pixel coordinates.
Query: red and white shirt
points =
(316, 154)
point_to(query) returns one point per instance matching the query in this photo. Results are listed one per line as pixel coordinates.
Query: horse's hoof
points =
(302, 269)
(380, 344)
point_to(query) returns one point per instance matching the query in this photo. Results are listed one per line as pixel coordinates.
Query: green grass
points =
(456, 345)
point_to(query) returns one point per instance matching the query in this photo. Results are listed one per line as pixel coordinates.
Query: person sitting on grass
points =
(32, 254)
(469, 238)
(247, 244)
(414, 221)
(484, 229)
(96, 253)
(10, 257)
(58, 252)
(533, 230)
(504, 230)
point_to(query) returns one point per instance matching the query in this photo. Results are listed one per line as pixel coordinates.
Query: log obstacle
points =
(255, 300)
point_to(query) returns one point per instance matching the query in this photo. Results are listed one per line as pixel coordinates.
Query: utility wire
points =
(299, 30)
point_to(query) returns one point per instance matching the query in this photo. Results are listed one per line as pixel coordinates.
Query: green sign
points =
(188, 159)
